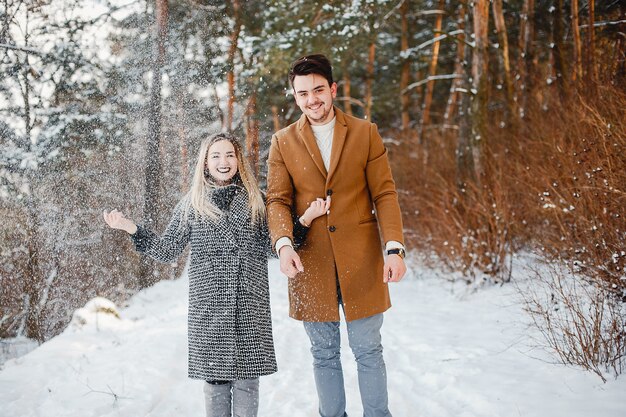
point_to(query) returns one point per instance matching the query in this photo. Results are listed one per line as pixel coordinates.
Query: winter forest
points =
(504, 122)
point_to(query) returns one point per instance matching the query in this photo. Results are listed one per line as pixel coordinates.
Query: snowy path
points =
(448, 354)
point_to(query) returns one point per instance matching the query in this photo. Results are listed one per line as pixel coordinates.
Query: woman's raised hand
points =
(116, 220)
(316, 209)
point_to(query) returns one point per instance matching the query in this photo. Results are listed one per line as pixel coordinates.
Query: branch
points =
(431, 78)
(600, 24)
(111, 393)
(206, 7)
(437, 39)
(429, 12)
(384, 20)
(351, 100)
(22, 49)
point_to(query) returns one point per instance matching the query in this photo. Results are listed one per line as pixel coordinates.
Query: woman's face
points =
(222, 161)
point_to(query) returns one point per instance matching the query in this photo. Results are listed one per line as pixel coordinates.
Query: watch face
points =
(399, 251)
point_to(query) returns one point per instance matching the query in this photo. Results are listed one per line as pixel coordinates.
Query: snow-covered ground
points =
(449, 353)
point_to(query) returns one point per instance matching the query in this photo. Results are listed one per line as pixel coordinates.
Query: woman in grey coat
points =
(229, 321)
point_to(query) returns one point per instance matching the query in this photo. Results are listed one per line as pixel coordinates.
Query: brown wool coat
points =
(347, 242)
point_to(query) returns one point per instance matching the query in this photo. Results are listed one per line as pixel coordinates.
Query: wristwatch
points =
(397, 251)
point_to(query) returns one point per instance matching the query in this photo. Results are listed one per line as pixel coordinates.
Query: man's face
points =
(315, 97)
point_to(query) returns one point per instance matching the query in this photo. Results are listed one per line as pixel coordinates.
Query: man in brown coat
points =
(328, 153)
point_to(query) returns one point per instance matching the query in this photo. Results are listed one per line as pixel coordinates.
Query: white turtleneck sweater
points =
(324, 138)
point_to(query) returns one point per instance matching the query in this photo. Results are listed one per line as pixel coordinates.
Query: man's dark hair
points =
(311, 64)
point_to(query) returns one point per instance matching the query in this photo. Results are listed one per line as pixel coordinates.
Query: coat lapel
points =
(306, 133)
(223, 227)
(339, 139)
(240, 217)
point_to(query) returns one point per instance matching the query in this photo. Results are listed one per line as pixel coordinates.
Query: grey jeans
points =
(232, 399)
(365, 341)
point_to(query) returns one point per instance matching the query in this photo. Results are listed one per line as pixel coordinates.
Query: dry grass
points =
(581, 323)
(574, 171)
(467, 228)
(557, 188)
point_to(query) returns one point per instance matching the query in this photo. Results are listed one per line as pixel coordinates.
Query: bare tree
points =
(371, 58)
(432, 71)
(480, 83)
(577, 73)
(346, 91)
(557, 48)
(153, 168)
(591, 74)
(404, 74)
(252, 132)
(232, 50)
(503, 39)
(458, 66)
(525, 62)
(465, 172)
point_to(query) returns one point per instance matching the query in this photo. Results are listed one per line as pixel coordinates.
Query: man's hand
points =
(290, 263)
(394, 268)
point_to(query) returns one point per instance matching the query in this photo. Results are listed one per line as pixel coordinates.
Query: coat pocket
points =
(254, 270)
(202, 284)
(365, 208)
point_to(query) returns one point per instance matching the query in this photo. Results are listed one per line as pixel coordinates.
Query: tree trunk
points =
(218, 108)
(525, 62)
(480, 87)
(276, 118)
(432, 70)
(153, 170)
(369, 80)
(592, 74)
(252, 134)
(182, 139)
(557, 48)
(458, 67)
(419, 91)
(346, 92)
(577, 73)
(465, 171)
(503, 39)
(33, 281)
(404, 75)
(234, 38)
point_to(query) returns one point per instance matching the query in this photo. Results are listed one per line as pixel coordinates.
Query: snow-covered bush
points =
(581, 322)
(98, 310)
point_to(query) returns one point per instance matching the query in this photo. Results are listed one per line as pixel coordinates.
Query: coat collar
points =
(339, 139)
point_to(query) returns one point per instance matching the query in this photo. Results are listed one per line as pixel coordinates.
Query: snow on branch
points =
(351, 100)
(606, 23)
(22, 49)
(429, 42)
(431, 78)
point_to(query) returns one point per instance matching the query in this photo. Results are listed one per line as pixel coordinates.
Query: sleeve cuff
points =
(140, 239)
(392, 244)
(283, 241)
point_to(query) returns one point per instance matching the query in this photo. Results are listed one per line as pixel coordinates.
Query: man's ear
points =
(333, 90)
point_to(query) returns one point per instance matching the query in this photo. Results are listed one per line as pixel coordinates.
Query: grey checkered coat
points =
(230, 328)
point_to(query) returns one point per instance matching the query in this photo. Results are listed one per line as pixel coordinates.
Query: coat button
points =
(329, 192)
(332, 228)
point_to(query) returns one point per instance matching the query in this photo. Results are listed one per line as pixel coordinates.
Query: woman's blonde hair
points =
(202, 183)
